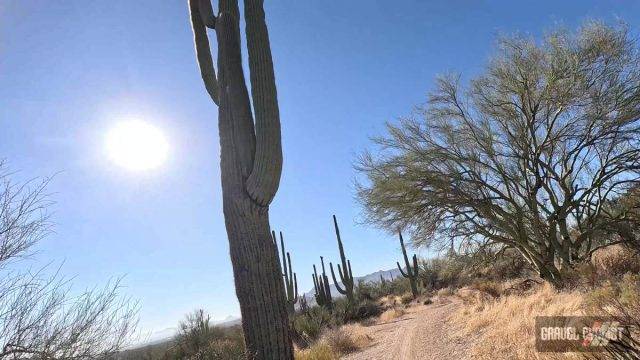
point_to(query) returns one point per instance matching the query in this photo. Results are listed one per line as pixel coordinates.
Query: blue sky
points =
(69, 70)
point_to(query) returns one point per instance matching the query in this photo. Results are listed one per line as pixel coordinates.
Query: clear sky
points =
(69, 70)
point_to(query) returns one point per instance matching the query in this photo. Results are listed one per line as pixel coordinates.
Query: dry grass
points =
(389, 301)
(319, 351)
(390, 314)
(448, 291)
(504, 327)
(336, 342)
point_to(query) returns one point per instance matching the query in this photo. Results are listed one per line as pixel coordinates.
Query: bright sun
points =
(136, 145)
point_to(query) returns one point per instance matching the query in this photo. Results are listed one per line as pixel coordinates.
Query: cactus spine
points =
(250, 165)
(346, 275)
(290, 278)
(412, 273)
(321, 287)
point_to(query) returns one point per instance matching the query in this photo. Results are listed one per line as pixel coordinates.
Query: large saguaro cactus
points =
(412, 273)
(346, 275)
(251, 165)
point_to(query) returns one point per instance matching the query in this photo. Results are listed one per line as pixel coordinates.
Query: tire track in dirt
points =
(421, 333)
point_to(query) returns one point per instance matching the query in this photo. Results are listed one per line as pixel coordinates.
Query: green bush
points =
(455, 270)
(438, 273)
(345, 312)
(376, 290)
(308, 326)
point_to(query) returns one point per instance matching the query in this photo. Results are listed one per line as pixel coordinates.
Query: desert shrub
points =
(336, 342)
(520, 286)
(490, 287)
(319, 351)
(406, 298)
(615, 261)
(223, 349)
(391, 314)
(377, 290)
(448, 291)
(503, 266)
(308, 326)
(441, 272)
(344, 312)
(620, 300)
(456, 270)
(197, 339)
(607, 264)
(340, 341)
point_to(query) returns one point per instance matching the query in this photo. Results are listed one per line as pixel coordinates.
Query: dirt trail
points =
(421, 333)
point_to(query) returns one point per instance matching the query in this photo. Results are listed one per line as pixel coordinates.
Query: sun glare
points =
(136, 145)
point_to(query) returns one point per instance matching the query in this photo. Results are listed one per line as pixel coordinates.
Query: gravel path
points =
(421, 333)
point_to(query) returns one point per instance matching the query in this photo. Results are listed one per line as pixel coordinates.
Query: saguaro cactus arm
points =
(402, 272)
(265, 177)
(315, 279)
(404, 253)
(260, 154)
(325, 282)
(335, 280)
(203, 51)
(284, 260)
(206, 13)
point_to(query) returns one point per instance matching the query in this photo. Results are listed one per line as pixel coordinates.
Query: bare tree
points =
(39, 318)
(530, 156)
(250, 163)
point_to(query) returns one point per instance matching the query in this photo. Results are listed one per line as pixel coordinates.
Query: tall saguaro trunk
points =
(251, 164)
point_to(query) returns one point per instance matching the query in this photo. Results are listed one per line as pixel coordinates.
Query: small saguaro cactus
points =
(412, 273)
(346, 275)
(382, 280)
(321, 287)
(290, 278)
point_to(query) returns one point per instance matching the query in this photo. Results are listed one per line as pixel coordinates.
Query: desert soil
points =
(422, 333)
